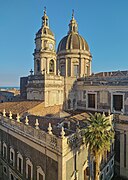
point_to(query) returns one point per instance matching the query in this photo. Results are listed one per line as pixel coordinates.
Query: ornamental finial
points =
(18, 117)
(10, 115)
(26, 120)
(62, 133)
(4, 113)
(37, 124)
(49, 128)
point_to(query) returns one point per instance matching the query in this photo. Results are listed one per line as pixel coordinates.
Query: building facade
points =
(47, 151)
(64, 78)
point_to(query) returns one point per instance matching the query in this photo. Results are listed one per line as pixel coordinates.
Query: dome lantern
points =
(45, 19)
(73, 26)
(73, 54)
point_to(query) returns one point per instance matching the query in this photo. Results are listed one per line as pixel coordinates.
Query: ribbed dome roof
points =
(46, 31)
(73, 41)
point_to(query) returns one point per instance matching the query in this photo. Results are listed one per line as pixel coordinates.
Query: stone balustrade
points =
(37, 135)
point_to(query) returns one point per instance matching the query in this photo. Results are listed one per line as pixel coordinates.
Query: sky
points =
(103, 23)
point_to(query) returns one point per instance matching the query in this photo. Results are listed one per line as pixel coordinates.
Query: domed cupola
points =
(44, 30)
(44, 53)
(73, 54)
(73, 40)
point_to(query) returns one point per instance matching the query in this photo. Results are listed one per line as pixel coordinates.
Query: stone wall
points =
(48, 165)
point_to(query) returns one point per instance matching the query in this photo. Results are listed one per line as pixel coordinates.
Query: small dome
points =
(73, 41)
(45, 31)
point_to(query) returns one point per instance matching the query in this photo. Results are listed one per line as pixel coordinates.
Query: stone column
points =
(55, 66)
(47, 65)
(42, 65)
(71, 68)
(82, 67)
(66, 67)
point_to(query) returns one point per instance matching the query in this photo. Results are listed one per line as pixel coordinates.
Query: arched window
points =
(40, 173)
(62, 70)
(4, 150)
(38, 65)
(29, 169)
(51, 66)
(12, 156)
(20, 163)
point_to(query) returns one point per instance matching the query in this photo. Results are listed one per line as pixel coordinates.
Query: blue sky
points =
(103, 23)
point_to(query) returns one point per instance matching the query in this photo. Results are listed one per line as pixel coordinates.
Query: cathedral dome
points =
(73, 41)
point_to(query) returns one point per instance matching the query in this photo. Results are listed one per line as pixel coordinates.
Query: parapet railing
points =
(47, 139)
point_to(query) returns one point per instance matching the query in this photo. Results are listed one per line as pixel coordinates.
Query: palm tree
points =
(99, 135)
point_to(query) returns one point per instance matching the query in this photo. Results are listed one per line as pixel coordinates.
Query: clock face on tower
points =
(50, 46)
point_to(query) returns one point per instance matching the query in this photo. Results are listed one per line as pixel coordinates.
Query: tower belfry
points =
(44, 54)
(44, 84)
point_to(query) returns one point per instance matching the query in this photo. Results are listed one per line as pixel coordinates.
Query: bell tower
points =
(44, 53)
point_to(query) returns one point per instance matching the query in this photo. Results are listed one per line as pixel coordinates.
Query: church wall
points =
(35, 94)
(54, 90)
(70, 92)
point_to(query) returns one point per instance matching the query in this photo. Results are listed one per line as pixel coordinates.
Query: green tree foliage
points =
(99, 135)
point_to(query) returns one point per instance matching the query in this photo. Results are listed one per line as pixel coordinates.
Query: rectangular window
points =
(40, 176)
(29, 171)
(76, 70)
(118, 102)
(5, 153)
(20, 165)
(91, 100)
(12, 158)
(5, 170)
(12, 177)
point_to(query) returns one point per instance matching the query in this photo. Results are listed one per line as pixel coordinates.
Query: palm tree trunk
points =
(97, 167)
